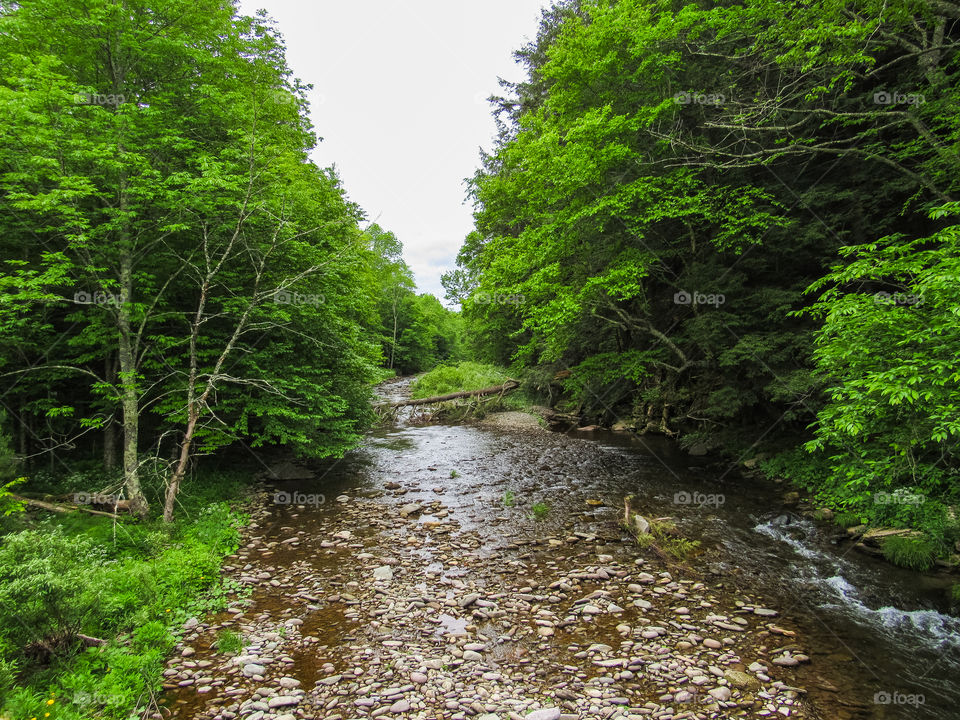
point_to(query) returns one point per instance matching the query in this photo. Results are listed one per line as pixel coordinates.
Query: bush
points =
(229, 642)
(47, 591)
(540, 510)
(458, 378)
(916, 553)
(924, 507)
(131, 584)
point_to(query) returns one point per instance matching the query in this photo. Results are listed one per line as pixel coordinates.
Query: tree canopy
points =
(693, 206)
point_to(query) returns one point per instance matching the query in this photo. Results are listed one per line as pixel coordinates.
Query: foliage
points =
(203, 282)
(415, 331)
(885, 351)
(916, 553)
(664, 537)
(229, 642)
(509, 498)
(466, 375)
(539, 510)
(130, 583)
(655, 223)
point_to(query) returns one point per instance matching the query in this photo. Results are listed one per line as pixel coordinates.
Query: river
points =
(349, 583)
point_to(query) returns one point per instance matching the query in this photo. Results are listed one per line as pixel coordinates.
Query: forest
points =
(732, 223)
(737, 223)
(178, 276)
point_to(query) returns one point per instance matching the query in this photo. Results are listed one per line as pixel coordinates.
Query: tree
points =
(156, 163)
(887, 353)
(670, 178)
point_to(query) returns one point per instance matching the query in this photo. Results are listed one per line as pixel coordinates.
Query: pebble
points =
(420, 618)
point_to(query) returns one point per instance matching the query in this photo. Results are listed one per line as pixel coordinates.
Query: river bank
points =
(388, 607)
(479, 571)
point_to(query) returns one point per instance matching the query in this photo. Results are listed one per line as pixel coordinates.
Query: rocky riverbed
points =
(380, 606)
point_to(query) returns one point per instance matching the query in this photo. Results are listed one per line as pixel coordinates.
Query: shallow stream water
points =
(880, 641)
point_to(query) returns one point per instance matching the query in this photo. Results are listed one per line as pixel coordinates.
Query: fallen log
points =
(90, 641)
(61, 508)
(508, 386)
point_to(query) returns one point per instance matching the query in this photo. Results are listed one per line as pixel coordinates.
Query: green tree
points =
(887, 353)
(156, 167)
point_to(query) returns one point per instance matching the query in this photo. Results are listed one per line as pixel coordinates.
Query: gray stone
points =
(545, 714)
(720, 693)
(283, 701)
(384, 572)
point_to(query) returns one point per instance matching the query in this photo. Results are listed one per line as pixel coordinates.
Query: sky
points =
(399, 98)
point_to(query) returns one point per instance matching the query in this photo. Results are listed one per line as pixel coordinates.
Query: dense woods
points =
(733, 223)
(180, 284)
(737, 222)
(178, 276)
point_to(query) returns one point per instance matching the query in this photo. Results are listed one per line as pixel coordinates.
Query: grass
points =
(229, 642)
(916, 553)
(665, 539)
(131, 583)
(540, 510)
(509, 499)
(457, 378)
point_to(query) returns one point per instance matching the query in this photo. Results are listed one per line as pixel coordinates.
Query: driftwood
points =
(62, 508)
(508, 386)
(90, 641)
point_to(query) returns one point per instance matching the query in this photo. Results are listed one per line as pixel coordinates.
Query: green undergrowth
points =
(129, 583)
(916, 553)
(463, 376)
(665, 539)
(928, 508)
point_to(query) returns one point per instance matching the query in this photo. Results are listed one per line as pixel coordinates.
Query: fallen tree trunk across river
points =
(508, 386)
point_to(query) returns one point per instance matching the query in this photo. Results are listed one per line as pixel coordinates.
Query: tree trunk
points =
(393, 345)
(24, 447)
(505, 388)
(128, 390)
(61, 508)
(110, 429)
(110, 446)
(174, 486)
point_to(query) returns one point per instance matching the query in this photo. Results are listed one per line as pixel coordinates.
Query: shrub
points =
(914, 552)
(229, 642)
(457, 378)
(47, 591)
(540, 510)
(130, 583)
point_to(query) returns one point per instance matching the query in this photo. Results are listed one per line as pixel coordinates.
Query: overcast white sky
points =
(399, 100)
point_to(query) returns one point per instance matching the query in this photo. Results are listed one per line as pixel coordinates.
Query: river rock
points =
(384, 572)
(721, 693)
(409, 509)
(741, 680)
(283, 701)
(545, 714)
